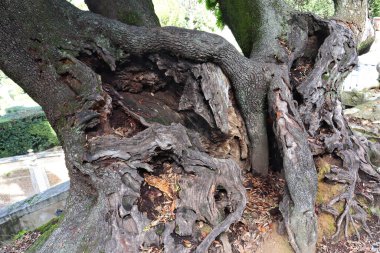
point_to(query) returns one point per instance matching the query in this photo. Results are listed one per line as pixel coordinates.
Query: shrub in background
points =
(22, 129)
(374, 8)
(323, 8)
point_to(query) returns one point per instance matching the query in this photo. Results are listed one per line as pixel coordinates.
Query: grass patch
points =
(46, 230)
(19, 235)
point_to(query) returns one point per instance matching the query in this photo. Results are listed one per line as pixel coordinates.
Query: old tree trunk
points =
(158, 124)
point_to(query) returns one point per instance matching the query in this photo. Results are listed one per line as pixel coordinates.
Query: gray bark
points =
(110, 136)
(256, 26)
(131, 12)
(137, 107)
(355, 15)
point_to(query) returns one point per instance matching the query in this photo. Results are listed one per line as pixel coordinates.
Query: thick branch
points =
(88, 44)
(297, 207)
(23, 55)
(131, 12)
(352, 11)
(255, 24)
(247, 78)
(355, 13)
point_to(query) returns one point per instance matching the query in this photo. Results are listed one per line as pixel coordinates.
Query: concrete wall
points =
(33, 212)
(16, 183)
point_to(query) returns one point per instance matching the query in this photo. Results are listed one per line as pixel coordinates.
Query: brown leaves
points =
(187, 243)
(301, 70)
(160, 184)
(22, 244)
(263, 195)
(164, 200)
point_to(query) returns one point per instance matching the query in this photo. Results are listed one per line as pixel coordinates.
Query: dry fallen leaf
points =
(187, 243)
(160, 184)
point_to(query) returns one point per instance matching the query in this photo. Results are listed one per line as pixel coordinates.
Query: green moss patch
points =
(31, 241)
(327, 192)
(46, 230)
(364, 46)
(323, 168)
(19, 234)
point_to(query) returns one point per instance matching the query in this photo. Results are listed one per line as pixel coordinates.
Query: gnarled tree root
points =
(322, 114)
(352, 211)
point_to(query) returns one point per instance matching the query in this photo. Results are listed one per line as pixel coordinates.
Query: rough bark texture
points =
(139, 13)
(316, 112)
(153, 137)
(121, 147)
(355, 14)
(351, 11)
(256, 26)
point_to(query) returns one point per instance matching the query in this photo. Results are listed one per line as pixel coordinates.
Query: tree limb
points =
(131, 12)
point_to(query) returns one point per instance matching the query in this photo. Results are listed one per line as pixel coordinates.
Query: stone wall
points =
(16, 183)
(33, 212)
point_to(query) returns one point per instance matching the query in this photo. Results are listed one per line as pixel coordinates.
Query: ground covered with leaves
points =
(20, 245)
(366, 244)
(28, 241)
(259, 221)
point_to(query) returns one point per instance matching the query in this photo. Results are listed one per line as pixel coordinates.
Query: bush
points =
(323, 8)
(374, 8)
(27, 129)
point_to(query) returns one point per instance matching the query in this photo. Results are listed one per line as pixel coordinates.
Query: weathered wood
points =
(120, 181)
(115, 161)
(297, 207)
(321, 113)
(136, 106)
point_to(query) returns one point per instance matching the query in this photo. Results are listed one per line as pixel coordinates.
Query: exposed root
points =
(352, 212)
(315, 89)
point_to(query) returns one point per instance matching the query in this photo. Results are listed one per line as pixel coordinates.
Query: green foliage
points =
(213, 6)
(19, 234)
(21, 130)
(374, 7)
(185, 13)
(323, 8)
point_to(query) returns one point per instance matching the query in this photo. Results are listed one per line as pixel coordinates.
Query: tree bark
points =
(256, 26)
(351, 11)
(122, 149)
(151, 122)
(131, 12)
(355, 13)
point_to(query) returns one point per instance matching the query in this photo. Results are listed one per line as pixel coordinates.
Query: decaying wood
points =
(297, 207)
(199, 177)
(155, 123)
(121, 164)
(322, 115)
